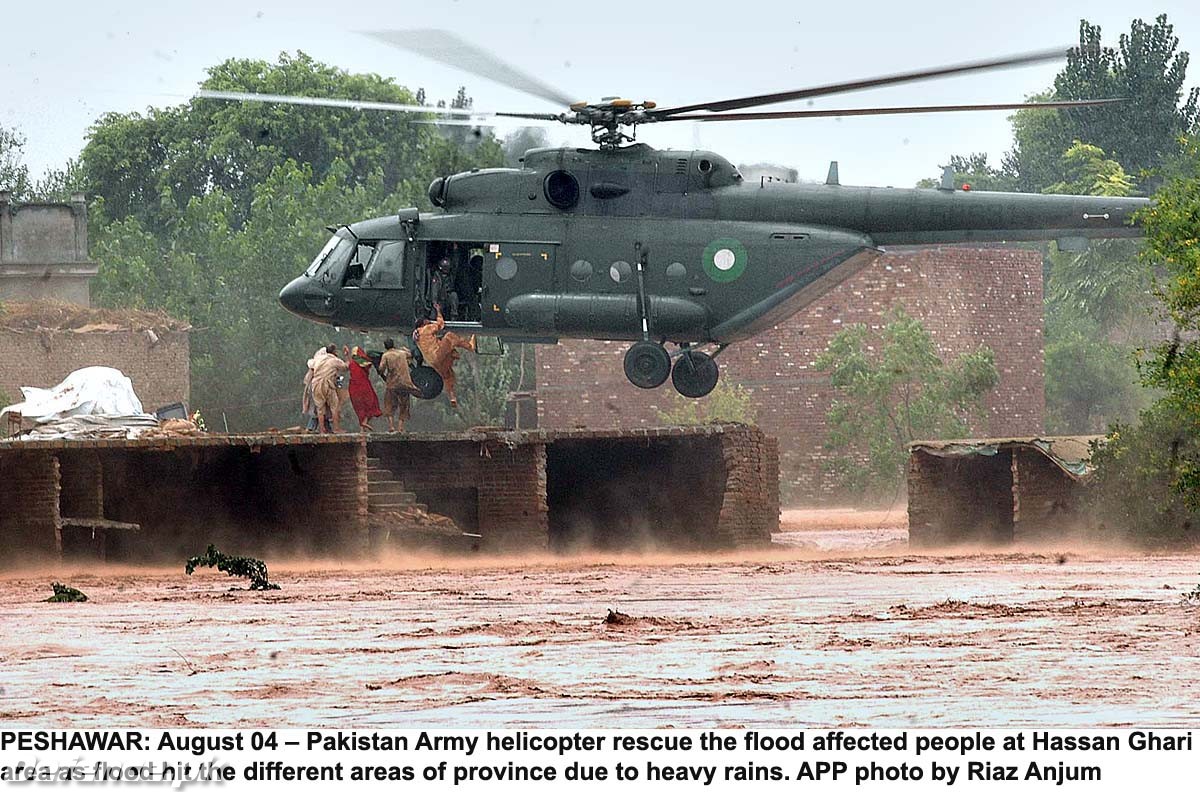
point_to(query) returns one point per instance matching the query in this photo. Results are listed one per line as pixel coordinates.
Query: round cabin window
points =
(620, 271)
(506, 268)
(581, 270)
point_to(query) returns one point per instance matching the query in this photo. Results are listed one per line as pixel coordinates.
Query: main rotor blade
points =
(1006, 62)
(317, 101)
(863, 111)
(445, 47)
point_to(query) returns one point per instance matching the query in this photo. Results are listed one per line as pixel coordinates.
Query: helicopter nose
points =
(297, 295)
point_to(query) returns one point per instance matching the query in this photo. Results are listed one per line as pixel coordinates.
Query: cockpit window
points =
(386, 268)
(327, 256)
(358, 264)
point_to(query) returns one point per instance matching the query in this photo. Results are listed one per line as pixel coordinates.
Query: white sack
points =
(96, 390)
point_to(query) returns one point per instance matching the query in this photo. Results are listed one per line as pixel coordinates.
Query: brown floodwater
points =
(837, 626)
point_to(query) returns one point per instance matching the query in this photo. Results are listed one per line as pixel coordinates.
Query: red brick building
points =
(965, 297)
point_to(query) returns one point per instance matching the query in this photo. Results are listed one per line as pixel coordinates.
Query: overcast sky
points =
(64, 64)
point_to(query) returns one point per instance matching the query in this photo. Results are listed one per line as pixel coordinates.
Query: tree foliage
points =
(234, 566)
(976, 171)
(891, 389)
(14, 175)
(56, 185)
(1148, 474)
(1097, 307)
(1146, 68)
(150, 166)
(1091, 382)
(728, 403)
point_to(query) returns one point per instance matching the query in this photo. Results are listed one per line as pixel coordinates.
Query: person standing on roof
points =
(362, 392)
(397, 394)
(326, 370)
(440, 353)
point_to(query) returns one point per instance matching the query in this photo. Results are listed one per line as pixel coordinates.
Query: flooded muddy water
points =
(830, 629)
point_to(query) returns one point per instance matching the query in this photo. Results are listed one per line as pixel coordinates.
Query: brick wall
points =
(749, 511)
(508, 482)
(29, 522)
(964, 296)
(960, 500)
(81, 491)
(1046, 501)
(335, 479)
(160, 370)
(704, 487)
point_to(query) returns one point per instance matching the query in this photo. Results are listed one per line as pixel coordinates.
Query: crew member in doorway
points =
(362, 392)
(468, 285)
(442, 288)
(324, 375)
(441, 353)
(398, 387)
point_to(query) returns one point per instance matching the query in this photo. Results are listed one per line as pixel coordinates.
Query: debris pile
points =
(51, 315)
(412, 525)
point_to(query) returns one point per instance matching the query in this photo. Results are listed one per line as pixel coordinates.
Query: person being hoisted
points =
(440, 353)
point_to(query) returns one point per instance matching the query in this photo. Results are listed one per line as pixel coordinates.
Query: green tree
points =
(1091, 382)
(1148, 474)
(14, 175)
(1086, 171)
(729, 402)
(57, 185)
(1147, 68)
(891, 390)
(1097, 309)
(975, 170)
(150, 166)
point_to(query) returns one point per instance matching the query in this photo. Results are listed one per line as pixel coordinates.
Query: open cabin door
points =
(511, 269)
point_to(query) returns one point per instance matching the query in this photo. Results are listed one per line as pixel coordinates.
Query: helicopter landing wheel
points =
(695, 374)
(647, 364)
(428, 382)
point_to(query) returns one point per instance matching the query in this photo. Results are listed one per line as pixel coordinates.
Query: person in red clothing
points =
(362, 392)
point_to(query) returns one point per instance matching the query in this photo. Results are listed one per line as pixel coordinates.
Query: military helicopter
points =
(624, 242)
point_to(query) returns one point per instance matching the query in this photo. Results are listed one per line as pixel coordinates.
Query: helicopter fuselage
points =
(634, 243)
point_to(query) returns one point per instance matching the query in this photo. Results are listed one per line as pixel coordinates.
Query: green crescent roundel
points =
(725, 260)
